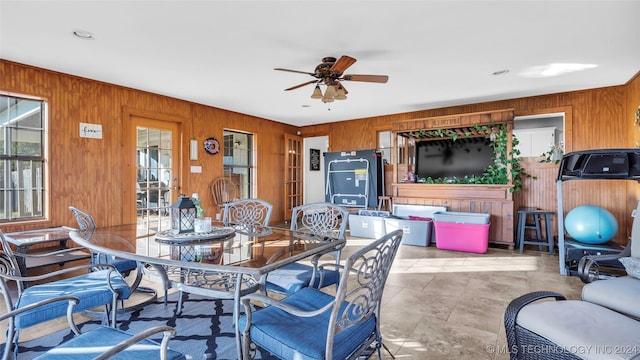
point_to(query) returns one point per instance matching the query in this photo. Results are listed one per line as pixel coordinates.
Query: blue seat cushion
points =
(122, 265)
(92, 343)
(295, 276)
(291, 337)
(91, 288)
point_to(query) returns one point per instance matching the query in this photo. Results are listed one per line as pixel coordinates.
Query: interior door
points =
(152, 178)
(293, 184)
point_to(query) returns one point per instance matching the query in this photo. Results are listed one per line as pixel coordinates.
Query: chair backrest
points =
(635, 233)
(224, 190)
(248, 216)
(8, 266)
(319, 221)
(361, 284)
(86, 224)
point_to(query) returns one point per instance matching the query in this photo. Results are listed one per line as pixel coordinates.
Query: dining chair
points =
(224, 191)
(101, 286)
(86, 227)
(102, 342)
(312, 324)
(249, 217)
(311, 223)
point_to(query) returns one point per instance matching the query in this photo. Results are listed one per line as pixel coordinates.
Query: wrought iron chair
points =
(101, 287)
(250, 217)
(99, 343)
(311, 324)
(86, 227)
(316, 222)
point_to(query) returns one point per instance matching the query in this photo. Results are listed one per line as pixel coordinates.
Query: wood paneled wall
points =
(598, 118)
(87, 173)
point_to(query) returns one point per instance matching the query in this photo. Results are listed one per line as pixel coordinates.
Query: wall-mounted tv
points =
(449, 158)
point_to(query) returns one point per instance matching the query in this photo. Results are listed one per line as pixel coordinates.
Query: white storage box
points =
(365, 226)
(424, 211)
(416, 212)
(415, 232)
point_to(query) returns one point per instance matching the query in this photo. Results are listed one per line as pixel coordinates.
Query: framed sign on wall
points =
(314, 159)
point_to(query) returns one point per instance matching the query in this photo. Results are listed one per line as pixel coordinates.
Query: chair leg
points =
(536, 219)
(179, 310)
(522, 219)
(388, 351)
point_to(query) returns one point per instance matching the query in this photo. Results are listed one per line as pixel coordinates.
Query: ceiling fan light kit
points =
(317, 93)
(329, 73)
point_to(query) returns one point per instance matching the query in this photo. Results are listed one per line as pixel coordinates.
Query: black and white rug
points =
(204, 328)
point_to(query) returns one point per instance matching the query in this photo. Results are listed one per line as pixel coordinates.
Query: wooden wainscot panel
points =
(495, 200)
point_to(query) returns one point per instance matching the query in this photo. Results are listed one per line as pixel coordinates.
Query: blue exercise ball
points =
(591, 224)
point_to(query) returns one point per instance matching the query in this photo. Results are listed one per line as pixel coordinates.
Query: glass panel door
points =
(156, 177)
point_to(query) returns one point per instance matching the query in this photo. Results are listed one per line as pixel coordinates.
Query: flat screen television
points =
(448, 158)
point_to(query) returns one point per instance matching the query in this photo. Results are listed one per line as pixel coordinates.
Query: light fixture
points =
(329, 94)
(334, 91)
(317, 93)
(82, 34)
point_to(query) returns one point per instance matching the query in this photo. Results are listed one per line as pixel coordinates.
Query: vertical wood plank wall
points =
(86, 172)
(600, 118)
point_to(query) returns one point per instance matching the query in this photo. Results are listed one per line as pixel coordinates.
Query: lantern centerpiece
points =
(183, 215)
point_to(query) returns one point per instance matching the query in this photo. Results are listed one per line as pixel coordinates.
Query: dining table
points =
(225, 264)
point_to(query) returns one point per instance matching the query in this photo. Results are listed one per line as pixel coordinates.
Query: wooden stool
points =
(536, 225)
(384, 201)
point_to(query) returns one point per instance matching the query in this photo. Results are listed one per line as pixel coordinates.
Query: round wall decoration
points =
(211, 146)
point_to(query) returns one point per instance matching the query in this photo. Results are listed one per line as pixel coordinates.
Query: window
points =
(385, 145)
(239, 161)
(21, 158)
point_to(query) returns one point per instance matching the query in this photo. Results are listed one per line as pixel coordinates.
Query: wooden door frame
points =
(129, 211)
(286, 176)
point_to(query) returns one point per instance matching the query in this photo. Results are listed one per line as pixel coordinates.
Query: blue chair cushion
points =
(122, 265)
(92, 343)
(295, 276)
(292, 337)
(91, 288)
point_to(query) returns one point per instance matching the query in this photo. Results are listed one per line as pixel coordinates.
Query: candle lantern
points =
(183, 215)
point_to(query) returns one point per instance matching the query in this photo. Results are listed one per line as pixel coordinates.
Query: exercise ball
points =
(591, 224)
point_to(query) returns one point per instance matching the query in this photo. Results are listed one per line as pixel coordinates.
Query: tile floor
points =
(442, 304)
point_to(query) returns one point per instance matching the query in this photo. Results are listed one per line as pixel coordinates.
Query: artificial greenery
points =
(505, 164)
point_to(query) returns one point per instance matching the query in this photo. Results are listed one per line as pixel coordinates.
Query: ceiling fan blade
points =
(294, 71)
(342, 64)
(367, 78)
(301, 85)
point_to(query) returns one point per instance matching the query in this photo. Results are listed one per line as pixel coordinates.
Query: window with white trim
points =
(22, 158)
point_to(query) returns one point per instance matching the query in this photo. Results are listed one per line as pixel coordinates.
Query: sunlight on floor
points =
(469, 264)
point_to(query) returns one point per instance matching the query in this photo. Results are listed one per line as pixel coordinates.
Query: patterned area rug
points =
(204, 328)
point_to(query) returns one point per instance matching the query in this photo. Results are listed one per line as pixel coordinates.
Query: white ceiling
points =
(222, 53)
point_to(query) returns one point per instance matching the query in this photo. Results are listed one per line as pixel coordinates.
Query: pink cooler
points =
(468, 232)
(462, 237)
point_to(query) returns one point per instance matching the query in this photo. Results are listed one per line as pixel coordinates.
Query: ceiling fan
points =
(330, 72)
